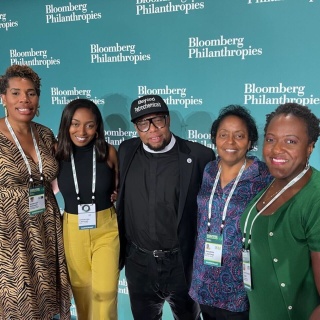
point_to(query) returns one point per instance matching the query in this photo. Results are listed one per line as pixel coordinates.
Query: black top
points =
(192, 158)
(83, 164)
(152, 198)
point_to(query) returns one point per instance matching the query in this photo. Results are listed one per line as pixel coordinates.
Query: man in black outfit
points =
(160, 176)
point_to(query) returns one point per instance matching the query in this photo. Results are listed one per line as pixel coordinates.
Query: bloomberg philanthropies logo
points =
(201, 137)
(174, 96)
(5, 24)
(220, 47)
(117, 53)
(278, 94)
(70, 13)
(64, 96)
(32, 58)
(115, 137)
(166, 6)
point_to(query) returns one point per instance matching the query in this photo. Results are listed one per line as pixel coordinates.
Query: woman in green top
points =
(281, 226)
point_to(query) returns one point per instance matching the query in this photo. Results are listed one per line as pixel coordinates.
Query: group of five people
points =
(209, 234)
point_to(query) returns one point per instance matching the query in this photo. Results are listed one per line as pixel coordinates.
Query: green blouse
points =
(281, 270)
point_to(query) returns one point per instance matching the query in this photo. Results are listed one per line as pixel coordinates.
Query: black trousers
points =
(213, 313)
(152, 281)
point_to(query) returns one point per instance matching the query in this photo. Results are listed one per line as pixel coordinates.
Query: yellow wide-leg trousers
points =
(92, 258)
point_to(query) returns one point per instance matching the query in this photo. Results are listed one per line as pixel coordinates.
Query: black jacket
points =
(192, 159)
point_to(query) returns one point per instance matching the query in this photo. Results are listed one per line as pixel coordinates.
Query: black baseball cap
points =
(147, 105)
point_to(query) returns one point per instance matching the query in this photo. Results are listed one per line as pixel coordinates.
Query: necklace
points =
(270, 197)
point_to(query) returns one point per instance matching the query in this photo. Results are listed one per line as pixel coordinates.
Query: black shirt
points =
(152, 198)
(83, 164)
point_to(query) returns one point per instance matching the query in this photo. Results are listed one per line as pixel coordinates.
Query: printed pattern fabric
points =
(33, 275)
(222, 287)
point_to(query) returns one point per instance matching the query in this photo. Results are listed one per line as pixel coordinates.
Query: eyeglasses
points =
(158, 121)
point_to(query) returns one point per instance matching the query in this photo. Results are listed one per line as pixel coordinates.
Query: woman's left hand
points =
(114, 196)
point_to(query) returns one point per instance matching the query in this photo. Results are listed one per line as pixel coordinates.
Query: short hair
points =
(64, 141)
(244, 115)
(299, 111)
(18, 71)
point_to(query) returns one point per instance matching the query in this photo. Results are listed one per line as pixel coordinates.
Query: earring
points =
(5, 111)
(307, 163)
(38, 112)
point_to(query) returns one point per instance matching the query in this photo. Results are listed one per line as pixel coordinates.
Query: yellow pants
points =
(92, 258)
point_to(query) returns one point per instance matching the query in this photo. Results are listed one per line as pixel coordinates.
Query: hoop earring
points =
(38, 112)
(5, 111)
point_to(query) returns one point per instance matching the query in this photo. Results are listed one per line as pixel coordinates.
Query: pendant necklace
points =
(269, 198)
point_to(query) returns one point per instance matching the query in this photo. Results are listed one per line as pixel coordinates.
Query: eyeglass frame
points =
(164, 116)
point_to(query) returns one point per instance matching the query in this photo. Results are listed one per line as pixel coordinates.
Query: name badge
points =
(246, 269)
(36, 200)
(87, 216)
(213, 250)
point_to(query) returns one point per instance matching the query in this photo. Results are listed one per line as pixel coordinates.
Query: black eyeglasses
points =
(158, 121)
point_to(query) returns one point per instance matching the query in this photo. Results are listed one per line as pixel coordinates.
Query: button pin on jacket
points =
(189, 160)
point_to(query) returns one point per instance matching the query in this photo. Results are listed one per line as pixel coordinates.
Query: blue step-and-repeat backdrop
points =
(199, 55)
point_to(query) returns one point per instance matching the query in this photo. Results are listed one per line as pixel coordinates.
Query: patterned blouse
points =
(222, 287)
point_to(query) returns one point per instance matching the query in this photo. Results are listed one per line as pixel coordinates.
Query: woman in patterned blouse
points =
(229, 183)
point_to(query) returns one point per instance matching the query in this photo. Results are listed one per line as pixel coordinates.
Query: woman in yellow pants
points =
(88, 180)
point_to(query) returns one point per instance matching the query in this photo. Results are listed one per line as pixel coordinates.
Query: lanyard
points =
(229, 196)
(93, 175)
(22, 152)
(287, 186)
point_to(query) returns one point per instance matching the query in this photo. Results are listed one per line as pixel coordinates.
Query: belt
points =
(156, 253)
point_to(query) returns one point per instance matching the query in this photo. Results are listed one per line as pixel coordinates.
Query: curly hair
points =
(299, 111)
(19, 72)
(243, 114)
